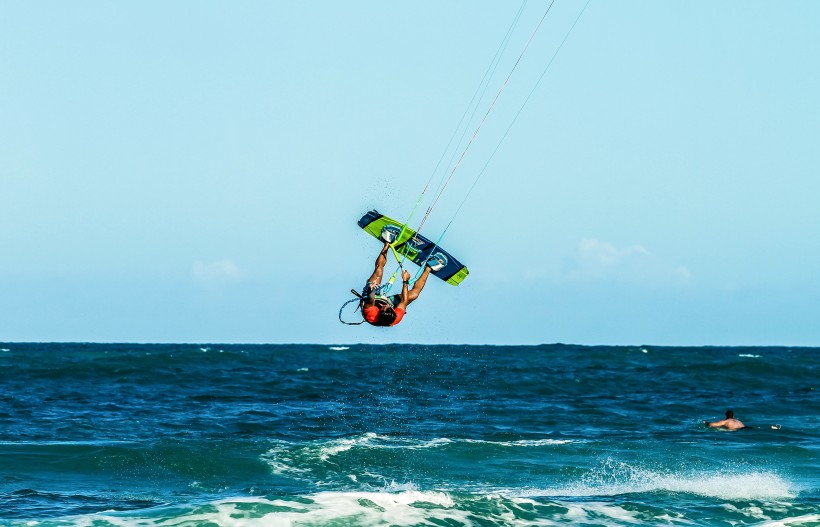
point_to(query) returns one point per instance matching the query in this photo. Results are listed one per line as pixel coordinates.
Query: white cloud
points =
(598, 260)
(216, 274)
(601, 255)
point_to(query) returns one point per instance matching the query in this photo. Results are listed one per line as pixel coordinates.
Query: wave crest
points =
(615, 478)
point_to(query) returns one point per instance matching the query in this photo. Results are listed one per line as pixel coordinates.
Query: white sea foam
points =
(343, 445)
(339, 348)
(614, 478)
(749, 355)
(325, 508)
(525, 442)
(406, 508)
(366, 509)
(808, 520)
(285, 454)
(354, 508)
(312, 460)
(372, 440)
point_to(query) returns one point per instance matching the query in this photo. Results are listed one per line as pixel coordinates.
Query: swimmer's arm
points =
(716, 424)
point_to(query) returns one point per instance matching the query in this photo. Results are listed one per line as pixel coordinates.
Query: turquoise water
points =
(183, 435)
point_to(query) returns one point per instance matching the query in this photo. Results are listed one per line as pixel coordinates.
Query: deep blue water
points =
(230, 435)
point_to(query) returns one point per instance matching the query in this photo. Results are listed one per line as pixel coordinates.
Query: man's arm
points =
(376, 278)
(716, 424)
(405, 292)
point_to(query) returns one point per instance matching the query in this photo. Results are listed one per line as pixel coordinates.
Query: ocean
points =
(127, 435)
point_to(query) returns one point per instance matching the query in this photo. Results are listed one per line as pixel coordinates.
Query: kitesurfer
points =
(380, 310)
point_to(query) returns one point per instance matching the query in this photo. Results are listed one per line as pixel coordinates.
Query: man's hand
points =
(405, 275)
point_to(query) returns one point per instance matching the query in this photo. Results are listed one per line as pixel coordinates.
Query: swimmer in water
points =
(730, 423)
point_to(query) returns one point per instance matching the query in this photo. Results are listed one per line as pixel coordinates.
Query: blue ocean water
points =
(225, 435)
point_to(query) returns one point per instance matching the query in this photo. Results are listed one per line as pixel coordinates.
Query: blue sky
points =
(193, 171)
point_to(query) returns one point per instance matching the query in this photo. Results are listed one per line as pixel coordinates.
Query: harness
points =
(358, 297)
(381, 301)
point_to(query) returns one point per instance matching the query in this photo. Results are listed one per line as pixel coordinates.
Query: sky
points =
(193, 171)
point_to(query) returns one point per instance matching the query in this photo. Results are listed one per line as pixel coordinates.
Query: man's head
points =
(379, 315)
(730, 414)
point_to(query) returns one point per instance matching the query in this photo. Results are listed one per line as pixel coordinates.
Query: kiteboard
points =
(415, 247)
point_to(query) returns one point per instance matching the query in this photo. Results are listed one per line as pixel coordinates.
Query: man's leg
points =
(381, 261)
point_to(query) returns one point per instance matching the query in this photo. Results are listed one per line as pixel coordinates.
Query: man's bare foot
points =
(436, 262)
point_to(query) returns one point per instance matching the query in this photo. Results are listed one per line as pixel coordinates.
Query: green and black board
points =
(415, 247)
